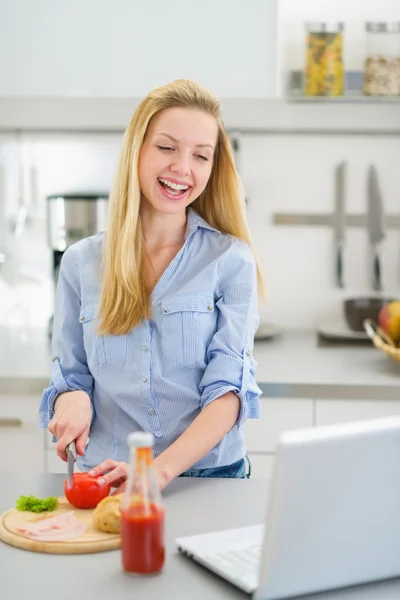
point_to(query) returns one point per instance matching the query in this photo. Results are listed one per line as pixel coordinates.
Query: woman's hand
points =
(116, 473)
(113, 472)
(71, 421)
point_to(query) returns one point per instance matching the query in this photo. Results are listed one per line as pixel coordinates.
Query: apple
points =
(389, 320)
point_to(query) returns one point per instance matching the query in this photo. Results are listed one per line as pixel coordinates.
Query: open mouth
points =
(173, 190)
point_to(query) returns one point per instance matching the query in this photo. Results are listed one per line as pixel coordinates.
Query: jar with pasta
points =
(324, 74)
(382, 63)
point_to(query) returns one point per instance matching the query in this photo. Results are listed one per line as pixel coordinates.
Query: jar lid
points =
(141, 439)
(320, 27)
(381, 27)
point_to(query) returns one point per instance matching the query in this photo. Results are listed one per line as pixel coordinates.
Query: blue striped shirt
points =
(196, 347)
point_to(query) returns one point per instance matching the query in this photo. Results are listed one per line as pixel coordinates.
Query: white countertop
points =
(233, 503)
(291, 365)
(294, 364)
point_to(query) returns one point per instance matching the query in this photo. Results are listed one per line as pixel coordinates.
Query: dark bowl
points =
(356, 310)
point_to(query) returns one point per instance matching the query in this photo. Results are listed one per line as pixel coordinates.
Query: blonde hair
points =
(124, 299)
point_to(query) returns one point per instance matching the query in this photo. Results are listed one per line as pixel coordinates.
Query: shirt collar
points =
(194, 221)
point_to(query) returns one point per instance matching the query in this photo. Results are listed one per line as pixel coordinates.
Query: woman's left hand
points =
(113, 472)
(116, 473)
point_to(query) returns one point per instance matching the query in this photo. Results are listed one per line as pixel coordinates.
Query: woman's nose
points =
(181, 164)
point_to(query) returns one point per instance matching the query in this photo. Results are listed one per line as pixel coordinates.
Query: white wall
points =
(295, 174)
(123, 48)
(281, 173)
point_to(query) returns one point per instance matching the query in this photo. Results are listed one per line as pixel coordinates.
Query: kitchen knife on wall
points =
(375, 224)
(339, 220)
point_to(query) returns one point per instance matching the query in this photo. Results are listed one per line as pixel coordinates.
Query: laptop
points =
(332, 516)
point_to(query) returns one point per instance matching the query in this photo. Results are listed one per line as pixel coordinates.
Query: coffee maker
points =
(70, 218)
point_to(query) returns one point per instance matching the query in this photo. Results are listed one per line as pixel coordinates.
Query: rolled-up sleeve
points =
(69, 369)
(230, 363)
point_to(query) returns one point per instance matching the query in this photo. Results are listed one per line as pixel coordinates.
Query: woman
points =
(155, 319)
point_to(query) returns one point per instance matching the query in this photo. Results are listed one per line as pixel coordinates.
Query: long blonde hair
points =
(125, 299)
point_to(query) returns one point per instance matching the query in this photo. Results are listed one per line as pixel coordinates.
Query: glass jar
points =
(324, 59)
(382, 63)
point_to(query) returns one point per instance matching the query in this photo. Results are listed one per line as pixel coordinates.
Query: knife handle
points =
(71, 449)
(376, 274)
(339, 267)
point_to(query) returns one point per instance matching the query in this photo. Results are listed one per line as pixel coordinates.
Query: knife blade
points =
(72, 456)
(339, 220)
(375, 224)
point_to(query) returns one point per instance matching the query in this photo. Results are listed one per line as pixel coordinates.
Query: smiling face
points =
(176, 158)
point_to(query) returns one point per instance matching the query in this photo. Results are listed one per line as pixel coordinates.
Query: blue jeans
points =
(238, 470)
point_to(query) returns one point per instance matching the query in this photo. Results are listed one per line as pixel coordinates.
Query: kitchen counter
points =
(99, 576)
(299, 365)
(294, 365)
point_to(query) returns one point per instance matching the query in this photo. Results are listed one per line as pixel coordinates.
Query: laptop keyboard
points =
(235, 554)
(240, 566)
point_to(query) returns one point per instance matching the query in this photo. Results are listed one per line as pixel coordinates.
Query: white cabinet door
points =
(340, 411)
(277, 415)
(98, 48)
(54, 464)
(21, 440)
(262, 465)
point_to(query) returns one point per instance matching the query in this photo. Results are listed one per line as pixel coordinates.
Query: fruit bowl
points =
(356, 310)
(381, 340)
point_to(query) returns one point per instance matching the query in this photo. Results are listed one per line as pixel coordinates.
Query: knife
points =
(339, 220)
(375, 224)
(72, 456)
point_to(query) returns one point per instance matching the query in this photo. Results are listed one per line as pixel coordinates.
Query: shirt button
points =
(152, 412)
(145, 348)
(247, 353)
(165, 310)
(82, 318)
(145, 379)
(54, 359)
(209, 307)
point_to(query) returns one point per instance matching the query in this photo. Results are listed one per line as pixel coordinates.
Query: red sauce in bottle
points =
(142, 538)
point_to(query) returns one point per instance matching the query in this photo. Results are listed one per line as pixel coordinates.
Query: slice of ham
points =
(54, 529)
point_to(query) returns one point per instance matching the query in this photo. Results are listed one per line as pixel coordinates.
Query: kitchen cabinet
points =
(52, 462)
(277, 415)
(123, 49)
(262, 465)
(21, 440)
(339, 411)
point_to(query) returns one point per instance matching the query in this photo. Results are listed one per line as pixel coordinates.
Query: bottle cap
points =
(141, 439)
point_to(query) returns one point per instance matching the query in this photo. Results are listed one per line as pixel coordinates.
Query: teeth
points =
(174, 186)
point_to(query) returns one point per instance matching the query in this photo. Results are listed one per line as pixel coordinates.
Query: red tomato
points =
(85, 491)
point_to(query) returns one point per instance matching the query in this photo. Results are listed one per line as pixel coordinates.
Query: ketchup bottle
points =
(142, 512)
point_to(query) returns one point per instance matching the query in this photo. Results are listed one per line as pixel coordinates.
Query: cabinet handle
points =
(10, 422)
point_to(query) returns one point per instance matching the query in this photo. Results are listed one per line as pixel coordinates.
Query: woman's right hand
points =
(71, 421)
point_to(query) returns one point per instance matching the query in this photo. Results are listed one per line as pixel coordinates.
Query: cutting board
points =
(92, 540)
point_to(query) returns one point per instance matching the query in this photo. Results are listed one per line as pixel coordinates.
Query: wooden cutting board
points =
(92, 540)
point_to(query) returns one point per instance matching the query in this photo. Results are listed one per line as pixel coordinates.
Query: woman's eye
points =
(202, 157)
(164, 148)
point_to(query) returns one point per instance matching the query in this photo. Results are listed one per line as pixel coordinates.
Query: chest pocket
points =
(188, 322)
(101, 350)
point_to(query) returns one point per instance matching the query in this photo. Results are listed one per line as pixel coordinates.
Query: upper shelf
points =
(241, 115)
(347, 98)
(353, 91)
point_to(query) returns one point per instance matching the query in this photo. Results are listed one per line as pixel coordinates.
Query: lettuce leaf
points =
(36, 505)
